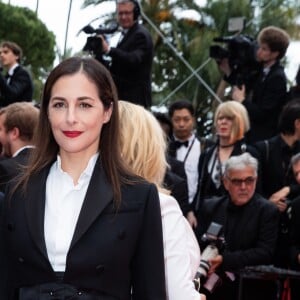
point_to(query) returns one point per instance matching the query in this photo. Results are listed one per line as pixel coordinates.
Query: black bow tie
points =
(178, 144)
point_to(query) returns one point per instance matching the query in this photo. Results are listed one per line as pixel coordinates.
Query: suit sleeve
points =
(148, 266)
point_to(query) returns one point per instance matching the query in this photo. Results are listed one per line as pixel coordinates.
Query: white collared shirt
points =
(191, 158)
(63, 204)
(11, 72)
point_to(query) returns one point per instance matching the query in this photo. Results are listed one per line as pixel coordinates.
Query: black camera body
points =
(93, 42)
(214, 243)
(241, 54)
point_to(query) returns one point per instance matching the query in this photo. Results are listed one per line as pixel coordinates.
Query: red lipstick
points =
(72, 134)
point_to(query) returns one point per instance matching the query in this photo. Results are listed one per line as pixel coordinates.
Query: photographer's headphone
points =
(136, 9)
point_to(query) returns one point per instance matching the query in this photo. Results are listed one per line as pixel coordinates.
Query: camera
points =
(214, 241)
(240, 51)
(93, 42)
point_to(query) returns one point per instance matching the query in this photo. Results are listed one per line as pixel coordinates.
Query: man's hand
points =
(279, 197)
(105, 46)
(215, 263)
(224, 66)
(202, 297)
(238, 93)
(192, 219)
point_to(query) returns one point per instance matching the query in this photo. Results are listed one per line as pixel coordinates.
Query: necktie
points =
(178, 144)
(122, 34)
(7, 76)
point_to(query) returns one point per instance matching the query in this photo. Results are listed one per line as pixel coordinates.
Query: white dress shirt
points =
(62, 208)
(181, 251)
(190, 156)
(11, 72)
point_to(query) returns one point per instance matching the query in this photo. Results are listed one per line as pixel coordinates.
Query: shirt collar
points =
(87, 171)
(12, 69)
(189, 139)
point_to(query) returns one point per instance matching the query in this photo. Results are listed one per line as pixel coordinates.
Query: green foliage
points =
(22, 26)
(184, 39)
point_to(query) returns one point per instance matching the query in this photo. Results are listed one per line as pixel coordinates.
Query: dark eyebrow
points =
(82, 98)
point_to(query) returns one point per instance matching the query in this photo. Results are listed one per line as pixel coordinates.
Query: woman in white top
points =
(143, 147)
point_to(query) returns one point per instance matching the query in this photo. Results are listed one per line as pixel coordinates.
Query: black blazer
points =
(20, 87)
(268, 98)
(131, 66)
(112, 253)
(11, 167)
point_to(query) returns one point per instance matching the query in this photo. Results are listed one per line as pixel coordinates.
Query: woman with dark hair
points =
(78, 224)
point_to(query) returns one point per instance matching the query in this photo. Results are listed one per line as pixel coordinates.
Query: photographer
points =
(250, 225)
(131, 59)
(265, 94)
(16, 85)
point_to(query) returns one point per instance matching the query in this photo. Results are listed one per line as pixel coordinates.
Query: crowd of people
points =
(100, 198)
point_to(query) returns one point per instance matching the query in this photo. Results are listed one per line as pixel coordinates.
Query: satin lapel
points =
(99, 194)
(35, 209)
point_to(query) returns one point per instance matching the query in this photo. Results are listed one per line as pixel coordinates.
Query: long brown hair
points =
(109, 149)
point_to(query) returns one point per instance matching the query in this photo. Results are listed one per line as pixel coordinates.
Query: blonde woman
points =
(231, 122)
(143, 147)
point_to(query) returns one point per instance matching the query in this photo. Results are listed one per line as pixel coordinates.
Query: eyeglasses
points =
(125, 13)
(238, 182)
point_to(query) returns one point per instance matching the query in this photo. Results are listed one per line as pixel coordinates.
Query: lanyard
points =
(189, 150)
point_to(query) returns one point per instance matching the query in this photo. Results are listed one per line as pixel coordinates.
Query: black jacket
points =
(250, 230)
(114, 253)
(267, 98)
(131, 65)
(250, 233)
(20, 87)
(11, 167)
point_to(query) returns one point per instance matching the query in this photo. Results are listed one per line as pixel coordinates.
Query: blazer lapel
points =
(35, 209)
(99, 195)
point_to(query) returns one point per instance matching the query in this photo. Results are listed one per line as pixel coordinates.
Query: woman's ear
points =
(107, 114)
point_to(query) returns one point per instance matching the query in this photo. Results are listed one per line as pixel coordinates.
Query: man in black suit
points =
(17, 85)
(17, 124)
(131, 59)
(250, 225)
(265, 94)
